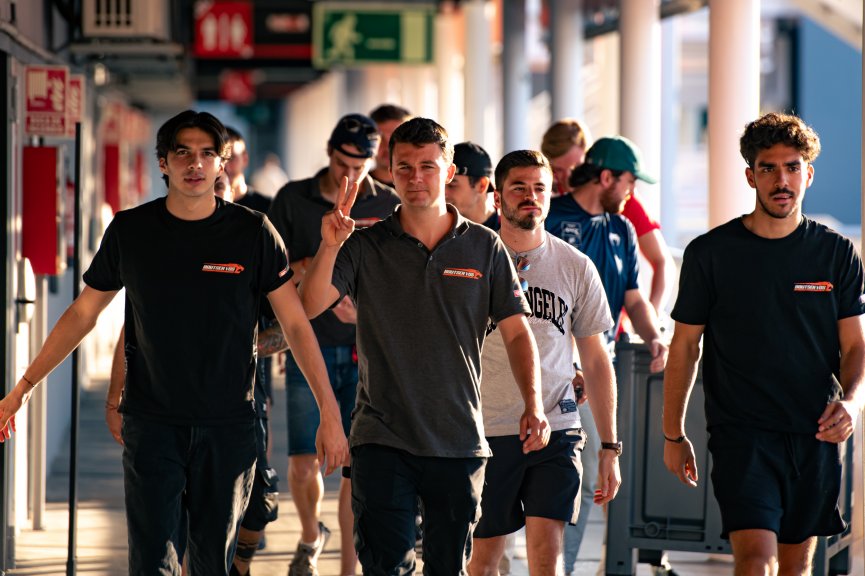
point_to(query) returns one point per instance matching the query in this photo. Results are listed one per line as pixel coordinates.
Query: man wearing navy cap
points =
(470, 188)
(296, 214)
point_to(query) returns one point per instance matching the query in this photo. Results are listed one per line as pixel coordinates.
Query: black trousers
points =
(206, 471)
(386, 484)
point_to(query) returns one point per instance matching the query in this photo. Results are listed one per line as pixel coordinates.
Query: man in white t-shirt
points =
(540, 490)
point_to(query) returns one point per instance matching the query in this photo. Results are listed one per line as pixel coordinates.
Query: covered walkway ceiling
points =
(155, 73)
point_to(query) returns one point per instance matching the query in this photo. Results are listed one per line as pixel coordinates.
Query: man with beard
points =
(589, 218)
(779, 300)
(540, 490)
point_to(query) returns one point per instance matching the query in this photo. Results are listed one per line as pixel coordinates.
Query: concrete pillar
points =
(640, 87)
(734, 100)
(671, 72)
(567, 38)
(516, 88)
(478, 61)
(448, 66)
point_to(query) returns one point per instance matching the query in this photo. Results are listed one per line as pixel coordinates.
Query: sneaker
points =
(663, 570)
(306, 557)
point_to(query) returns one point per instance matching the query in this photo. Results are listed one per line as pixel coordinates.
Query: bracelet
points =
(29, 383)
(678, 440)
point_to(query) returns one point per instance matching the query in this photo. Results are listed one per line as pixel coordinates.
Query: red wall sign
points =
(45, 96)
(223, 29)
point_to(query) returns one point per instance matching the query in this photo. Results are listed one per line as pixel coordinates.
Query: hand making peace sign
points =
(337, 225)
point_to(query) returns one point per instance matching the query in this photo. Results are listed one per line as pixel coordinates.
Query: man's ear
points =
(452, 170)
(162, 165)
(749, 176)
(497, 199)
(482, 185)
(810, 175)
(606, 178)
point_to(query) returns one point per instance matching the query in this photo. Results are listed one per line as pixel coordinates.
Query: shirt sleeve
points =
(693, 301)
(506, 296)
(852, 285)
(104, 271)
(274, 270)
(636, 214)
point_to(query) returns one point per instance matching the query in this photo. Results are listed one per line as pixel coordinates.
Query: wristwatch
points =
(614, 446)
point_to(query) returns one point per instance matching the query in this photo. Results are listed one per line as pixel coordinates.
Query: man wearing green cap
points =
(590, 219)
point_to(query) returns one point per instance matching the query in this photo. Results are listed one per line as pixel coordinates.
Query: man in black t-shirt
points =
(195, 268)
(779, 299)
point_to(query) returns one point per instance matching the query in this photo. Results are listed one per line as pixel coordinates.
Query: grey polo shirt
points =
(422, 319)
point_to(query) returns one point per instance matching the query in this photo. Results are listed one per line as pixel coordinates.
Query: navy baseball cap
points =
(472, 160)
(357, 130)
(620, 154)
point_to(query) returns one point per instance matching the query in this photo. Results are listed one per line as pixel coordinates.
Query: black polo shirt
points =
(296, 213)
(422, 319)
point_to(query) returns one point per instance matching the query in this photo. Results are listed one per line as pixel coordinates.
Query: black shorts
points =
(786, 483)
(544, 483)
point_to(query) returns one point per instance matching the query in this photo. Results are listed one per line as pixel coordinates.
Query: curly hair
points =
(778, 128)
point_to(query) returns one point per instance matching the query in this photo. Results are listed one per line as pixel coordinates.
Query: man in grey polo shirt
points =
(426, 284)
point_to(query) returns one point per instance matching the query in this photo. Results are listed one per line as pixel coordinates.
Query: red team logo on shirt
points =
(230, 268)
(469, 273)
(812, 287)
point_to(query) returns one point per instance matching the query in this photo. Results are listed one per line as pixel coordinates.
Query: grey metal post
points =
(515, 76)
(567, 38)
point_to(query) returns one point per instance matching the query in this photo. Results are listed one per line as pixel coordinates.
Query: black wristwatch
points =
(615, 446)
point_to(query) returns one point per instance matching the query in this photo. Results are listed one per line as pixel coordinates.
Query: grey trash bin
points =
(654, 511)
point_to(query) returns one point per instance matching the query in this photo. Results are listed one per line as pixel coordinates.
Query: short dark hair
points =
(387, 112)
(585, 173)
(166, 137)
(421, 131)
(234, 135)
(778, 128)
(520, 159)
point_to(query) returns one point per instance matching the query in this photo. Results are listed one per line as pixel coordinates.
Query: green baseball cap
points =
(618, 153)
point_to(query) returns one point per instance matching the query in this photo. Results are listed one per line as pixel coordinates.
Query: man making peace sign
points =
(426, 284)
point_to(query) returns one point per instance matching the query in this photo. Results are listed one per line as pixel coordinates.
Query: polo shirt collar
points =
(461, 224)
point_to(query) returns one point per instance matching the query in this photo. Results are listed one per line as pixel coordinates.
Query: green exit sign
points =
(348, 33)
